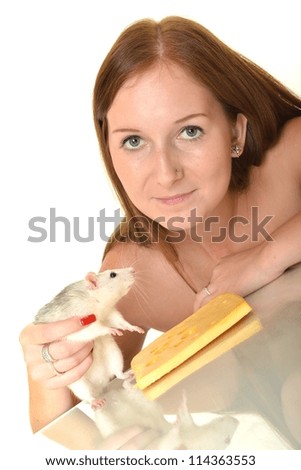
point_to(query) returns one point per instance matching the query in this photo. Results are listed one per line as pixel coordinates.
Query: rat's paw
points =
(97, 404)
(136, 328)
(115, 332)
(128, 379)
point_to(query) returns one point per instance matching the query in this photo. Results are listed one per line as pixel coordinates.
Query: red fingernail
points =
(88, 319)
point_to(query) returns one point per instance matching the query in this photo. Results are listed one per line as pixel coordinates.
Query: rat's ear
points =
(92, 280)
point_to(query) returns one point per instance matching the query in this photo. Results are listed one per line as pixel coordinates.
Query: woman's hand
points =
(247, 271)
(240, 273)
(70, 360)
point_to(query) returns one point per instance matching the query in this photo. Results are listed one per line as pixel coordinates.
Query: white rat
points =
(129, 407)
(98, 294)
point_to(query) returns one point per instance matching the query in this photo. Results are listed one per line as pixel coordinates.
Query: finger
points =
(202, 297)
(57, 350)
(68, 349)
(67, 378)
(41, 333)
(70, 362)
(42, 370)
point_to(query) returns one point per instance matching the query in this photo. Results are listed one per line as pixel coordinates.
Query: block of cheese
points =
(240, 332)
(185, 339)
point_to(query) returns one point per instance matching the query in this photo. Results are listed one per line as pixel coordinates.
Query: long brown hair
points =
(239, 85)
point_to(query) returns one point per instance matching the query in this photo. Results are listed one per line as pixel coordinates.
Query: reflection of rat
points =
(123, 408)
(98, 294)
(216, 434)
(128, 407)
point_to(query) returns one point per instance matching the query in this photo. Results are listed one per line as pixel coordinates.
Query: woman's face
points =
(170, 142)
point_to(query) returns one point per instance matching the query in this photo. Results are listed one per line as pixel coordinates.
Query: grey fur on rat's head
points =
(115, 282)
(96, 293)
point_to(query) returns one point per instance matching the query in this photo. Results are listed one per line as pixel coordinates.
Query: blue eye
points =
(132, 142)
(191, 132)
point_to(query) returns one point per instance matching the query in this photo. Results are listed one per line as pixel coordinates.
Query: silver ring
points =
(57, 372)
(207, 290)
(46, 354)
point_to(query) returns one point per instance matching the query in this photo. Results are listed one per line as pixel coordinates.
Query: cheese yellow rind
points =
(238, 333)
(185, 339)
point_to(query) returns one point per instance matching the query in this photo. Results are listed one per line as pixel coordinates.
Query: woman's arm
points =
(49, 395)
(285, 249)
(45, 404)
(251, 269)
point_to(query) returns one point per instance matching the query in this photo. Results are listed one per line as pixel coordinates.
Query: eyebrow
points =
(190, 116)
(126, 130)
(178, 121)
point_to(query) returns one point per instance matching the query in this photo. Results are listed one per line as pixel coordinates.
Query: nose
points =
(167, 167)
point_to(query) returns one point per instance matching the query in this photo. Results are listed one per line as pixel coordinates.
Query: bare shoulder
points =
(290, 145)
(284, 158)
(120, 255)
(292, 130)
(144, 259)
(159, 297)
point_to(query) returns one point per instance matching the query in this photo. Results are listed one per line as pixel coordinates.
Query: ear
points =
(240, 130)
(91, 278)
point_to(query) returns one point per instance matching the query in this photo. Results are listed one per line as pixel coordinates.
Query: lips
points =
(175, 199)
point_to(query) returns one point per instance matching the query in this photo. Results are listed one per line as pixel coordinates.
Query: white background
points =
(50, 54)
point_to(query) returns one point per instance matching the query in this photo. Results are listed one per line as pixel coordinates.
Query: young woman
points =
(203, 148)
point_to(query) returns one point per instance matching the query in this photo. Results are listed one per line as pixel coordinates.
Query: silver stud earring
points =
(235, 151)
